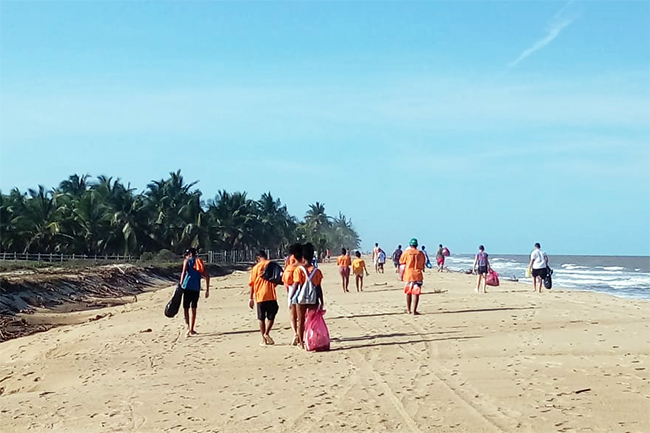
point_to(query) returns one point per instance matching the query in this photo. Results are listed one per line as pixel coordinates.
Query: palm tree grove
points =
(106, 216)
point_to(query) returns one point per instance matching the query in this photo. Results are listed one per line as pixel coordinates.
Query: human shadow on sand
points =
(356, 316)
(484, 310)
(397, 343)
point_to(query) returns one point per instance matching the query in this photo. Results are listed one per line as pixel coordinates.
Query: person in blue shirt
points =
(191, 284)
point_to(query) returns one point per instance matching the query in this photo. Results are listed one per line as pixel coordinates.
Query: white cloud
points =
(553, 32)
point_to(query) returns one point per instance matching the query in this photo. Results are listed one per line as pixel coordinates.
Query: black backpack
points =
(273, 273)
(548, 282)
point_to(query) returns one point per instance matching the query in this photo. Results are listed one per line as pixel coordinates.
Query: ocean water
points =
(623, 276)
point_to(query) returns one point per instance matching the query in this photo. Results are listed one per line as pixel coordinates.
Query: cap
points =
(413, 242)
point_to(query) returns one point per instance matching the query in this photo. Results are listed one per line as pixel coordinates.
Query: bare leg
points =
(478, 283)
(301, 310)
(361, 283)
(192, 322)
(267, 337)
(408, 303)
(347, 282)
(186, 312)
(262, 331)
(294, 323)
(484, 283)
(416, 299)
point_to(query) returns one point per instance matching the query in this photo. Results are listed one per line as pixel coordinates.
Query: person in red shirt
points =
(343, 262)
(263, 294)
(414, 262)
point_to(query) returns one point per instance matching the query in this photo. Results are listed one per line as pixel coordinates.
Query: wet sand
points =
(510, 360)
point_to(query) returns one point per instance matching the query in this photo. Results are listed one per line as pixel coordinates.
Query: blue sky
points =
(462, 123)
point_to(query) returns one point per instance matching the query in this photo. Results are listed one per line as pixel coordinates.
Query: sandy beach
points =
(510, 360)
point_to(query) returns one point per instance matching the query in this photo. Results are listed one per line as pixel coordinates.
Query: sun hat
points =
(413, 242)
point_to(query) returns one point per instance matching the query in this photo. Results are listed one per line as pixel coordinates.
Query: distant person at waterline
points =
(440, 258)
(381, 260)
(396, 255)
(375, 257)
(481, 267)
(539, 266)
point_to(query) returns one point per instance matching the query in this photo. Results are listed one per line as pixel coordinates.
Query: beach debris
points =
(380, 284)
(146, 330)
(582, 390)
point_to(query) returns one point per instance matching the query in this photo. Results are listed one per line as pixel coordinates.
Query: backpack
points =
(199, 266)
(548, 281)
(273, 273)
(307, 294)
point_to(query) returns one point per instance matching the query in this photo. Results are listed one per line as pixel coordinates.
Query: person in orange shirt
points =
(263, 294)
(358, 268)
(414, 263)
(300, 276)
(292, 262)
(343, 262)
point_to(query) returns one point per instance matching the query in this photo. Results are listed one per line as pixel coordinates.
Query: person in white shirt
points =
(539, 266)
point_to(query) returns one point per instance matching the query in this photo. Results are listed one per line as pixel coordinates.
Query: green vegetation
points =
(105, 216)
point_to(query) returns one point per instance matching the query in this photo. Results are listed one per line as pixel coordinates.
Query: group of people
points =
(358, 267)
(303, 280)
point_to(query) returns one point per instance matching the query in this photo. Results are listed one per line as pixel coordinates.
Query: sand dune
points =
(510, 360)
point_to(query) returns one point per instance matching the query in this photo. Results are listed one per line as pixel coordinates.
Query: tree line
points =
(106, 216)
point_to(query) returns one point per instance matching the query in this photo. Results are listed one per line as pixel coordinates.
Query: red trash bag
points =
(492, 278)
(317, 336)
(445, 252)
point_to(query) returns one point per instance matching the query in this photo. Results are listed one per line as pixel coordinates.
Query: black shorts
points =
(539, 273)
(482, 270)
(190, 298)
(267, 310)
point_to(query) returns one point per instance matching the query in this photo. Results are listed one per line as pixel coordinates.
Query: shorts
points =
(482, 270)
(190, 298)
(344, 271)
(440, 260)
(396, 263)
(413, 288)
(539, 273)
(360, 274)
(267, 310)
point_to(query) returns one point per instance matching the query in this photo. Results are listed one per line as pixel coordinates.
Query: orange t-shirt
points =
(343, 260)
(264, 290)
(414, 262)
(287, 275)
(300, 277)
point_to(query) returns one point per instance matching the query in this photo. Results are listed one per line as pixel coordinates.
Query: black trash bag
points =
(548, 282)
(273, 273)
(174, 304)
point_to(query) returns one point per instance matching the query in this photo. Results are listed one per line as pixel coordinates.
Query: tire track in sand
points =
(432, 355)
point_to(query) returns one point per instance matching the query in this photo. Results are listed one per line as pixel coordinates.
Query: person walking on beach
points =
(539, 266)
(427, 262)
(293, 261)
(375, 256)
(481, 267)
(303, 274)
(414, 263)
(440, 258)
(263, 294)
(343, 262)
(358, 268)
(381, 260)
(190, 282)
(396, 255)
